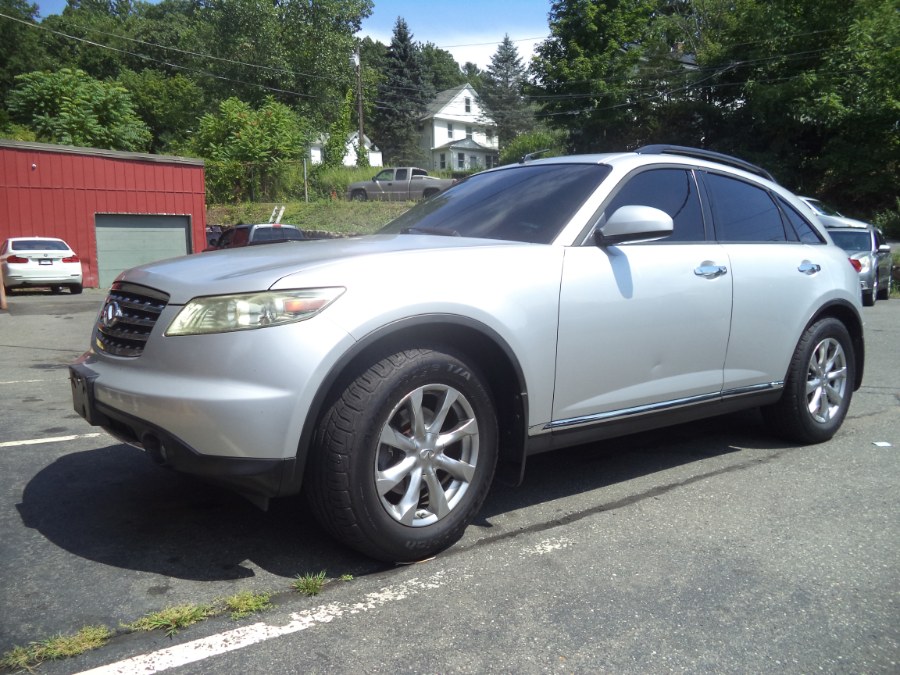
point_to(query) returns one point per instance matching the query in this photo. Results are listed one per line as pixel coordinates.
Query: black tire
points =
(359, 196)
(75, 289)
(818, 387)
(884, 290)
(869, 297)
(383, 487)
(429, 193)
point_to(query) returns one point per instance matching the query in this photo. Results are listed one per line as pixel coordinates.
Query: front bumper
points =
(259, 477)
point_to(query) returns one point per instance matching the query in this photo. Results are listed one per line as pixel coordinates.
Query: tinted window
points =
(401, 174)
(39, 245)
(852, 241)
(530, 203)
(669, 190)
(805, 232)
(743, 212)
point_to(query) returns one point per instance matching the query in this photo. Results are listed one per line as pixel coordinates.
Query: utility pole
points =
(359, 103)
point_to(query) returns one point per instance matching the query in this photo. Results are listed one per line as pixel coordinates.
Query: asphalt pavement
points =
(709, 547)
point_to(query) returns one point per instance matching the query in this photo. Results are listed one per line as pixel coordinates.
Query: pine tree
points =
(402, 97)
(501, 93)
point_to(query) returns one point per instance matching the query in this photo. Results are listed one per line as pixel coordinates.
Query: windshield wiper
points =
(430, 230)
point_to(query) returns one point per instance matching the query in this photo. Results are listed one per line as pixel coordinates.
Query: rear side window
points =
(743, 212)
(671, 190)
(806, 233)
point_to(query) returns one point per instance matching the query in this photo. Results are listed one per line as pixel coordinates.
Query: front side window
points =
(743, 212)
(671, 190)
(387, 174)
(523, 203)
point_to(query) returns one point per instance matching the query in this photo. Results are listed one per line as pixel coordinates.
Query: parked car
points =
(250, 235)
(40, 261)
(532, 307)
(871, 256)
(867, 247)
(401, 184)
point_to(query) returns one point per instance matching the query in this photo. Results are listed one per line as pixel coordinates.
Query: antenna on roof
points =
(532, 155)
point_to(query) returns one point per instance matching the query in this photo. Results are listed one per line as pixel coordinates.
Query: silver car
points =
(528, 308)
(866, 246)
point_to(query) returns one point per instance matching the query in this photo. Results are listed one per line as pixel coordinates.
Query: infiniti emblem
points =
(111, 314)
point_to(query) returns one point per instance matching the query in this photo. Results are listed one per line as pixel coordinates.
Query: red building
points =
(115, 209)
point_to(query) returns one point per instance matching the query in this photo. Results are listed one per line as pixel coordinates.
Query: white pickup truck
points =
(400, 184)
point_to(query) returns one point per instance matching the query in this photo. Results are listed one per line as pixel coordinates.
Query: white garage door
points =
(125, 241)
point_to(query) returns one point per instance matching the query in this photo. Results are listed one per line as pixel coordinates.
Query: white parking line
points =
(197, 650)
(20, 382)
(40, 441)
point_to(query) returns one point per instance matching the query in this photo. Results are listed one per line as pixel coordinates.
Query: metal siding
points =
(65, 192)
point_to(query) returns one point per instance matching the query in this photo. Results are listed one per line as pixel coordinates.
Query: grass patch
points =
(336, 216)
(246, 603)
(59, 647)
(309, 584)
(172, 619)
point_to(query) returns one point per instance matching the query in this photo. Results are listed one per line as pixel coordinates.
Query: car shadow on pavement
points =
(113, 506)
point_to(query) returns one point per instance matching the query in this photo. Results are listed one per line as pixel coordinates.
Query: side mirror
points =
(634, 223)
(884, 248)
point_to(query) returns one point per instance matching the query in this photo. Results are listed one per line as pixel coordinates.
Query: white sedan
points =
(40, 261)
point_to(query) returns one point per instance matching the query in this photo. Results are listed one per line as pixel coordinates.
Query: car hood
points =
(255, 268)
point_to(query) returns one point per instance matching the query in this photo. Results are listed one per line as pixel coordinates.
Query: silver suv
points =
(528, 308)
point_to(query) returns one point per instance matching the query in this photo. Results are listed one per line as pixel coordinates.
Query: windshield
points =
(822, 207)
(852, 242)
(528, 203)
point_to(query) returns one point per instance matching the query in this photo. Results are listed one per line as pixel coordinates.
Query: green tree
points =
(170, 105)
(502, 93)
(588, 72)
(336, 145)
(72, 108)
(543, 142)
(20, 50)
(402, 97)
(441, 69)
(248, 150)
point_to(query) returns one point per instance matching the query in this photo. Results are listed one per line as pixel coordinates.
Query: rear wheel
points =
(818, 387)
(405, 455)
(75, 289)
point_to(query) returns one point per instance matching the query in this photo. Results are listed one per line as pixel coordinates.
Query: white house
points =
(457, 134)
(315, 150)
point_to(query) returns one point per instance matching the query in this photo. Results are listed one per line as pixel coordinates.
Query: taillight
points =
(16, 259)
(857, 265)
(71, 258)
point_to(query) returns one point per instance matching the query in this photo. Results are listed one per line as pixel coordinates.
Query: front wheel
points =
(359, 196)
(818, 387)
(405, 455)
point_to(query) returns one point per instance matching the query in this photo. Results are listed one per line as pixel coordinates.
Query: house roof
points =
(443, 98)
(465, 144)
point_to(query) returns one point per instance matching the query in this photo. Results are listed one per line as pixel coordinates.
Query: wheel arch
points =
(473, 341)
(847, 314)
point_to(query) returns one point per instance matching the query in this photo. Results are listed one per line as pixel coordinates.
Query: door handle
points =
(710, 270)
(809, 268)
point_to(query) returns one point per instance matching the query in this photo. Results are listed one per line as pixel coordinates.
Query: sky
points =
(471, 30)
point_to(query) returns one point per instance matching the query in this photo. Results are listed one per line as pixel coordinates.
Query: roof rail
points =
(705, 154)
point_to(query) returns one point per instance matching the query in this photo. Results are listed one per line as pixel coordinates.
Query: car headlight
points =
(248, 311)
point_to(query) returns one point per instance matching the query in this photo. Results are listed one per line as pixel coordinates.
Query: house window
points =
(460, 160)
(469, 133)
(443, 160)
(468, 104)
(449, 130)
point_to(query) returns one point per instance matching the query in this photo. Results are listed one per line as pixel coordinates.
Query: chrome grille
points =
(127, 319)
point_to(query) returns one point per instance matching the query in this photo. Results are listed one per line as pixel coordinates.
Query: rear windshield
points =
(852, 241)
(528, 203)
(39, 245)
(276, 234)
